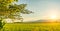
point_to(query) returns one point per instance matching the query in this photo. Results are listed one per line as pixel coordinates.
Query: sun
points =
(53, 17)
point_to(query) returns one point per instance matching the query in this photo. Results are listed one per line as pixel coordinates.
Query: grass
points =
(32, 27)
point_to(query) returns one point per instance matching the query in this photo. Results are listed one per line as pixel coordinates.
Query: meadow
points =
(32, 27)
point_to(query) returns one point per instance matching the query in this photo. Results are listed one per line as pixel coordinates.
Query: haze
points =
(43, 9)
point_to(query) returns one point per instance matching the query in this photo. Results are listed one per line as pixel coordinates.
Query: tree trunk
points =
(1, 23)
(1, 26)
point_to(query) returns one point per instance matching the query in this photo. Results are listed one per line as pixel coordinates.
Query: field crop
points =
(32, 27)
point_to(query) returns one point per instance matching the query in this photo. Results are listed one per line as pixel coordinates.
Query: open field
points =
(32, 27)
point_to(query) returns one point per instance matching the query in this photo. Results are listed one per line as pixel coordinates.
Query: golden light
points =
(53, 17)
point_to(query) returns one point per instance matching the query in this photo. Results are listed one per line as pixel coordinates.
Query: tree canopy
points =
(10, 10)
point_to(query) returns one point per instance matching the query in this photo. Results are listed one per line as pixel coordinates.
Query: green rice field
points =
(32, 27)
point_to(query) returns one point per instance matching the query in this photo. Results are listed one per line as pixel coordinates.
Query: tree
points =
(13, 11)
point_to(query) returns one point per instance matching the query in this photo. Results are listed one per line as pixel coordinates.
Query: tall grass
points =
(32, 27)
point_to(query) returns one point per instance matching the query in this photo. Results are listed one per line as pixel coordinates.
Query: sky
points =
(43, 9)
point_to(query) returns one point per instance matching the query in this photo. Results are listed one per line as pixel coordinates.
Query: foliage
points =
(10, 10)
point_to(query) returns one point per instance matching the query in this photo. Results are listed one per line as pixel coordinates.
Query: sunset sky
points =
(43, 9)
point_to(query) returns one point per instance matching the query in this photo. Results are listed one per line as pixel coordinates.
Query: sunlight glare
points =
(53, 17)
